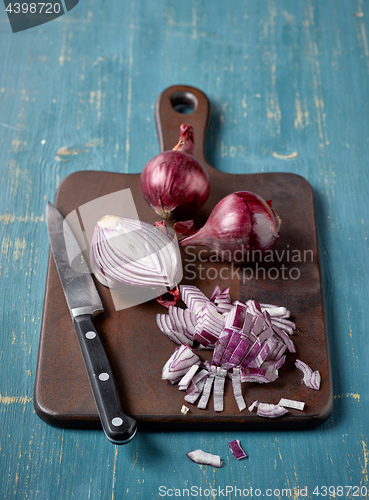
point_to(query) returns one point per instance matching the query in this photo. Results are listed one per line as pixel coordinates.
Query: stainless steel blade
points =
(79, 289)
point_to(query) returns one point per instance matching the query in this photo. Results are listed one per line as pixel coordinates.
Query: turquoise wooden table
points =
(289, 91)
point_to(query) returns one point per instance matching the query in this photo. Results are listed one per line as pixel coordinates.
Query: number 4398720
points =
(33, 8)
(340, 491)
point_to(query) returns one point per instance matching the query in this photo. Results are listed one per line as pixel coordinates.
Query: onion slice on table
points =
(236, 449)
(203, 458)
(311, 378)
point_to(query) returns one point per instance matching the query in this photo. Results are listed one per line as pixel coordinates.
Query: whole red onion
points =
(239, 223)
(174, 183)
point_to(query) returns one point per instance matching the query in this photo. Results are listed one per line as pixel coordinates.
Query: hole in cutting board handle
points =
(183, 102)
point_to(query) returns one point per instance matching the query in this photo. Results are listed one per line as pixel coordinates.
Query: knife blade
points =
(84, 302)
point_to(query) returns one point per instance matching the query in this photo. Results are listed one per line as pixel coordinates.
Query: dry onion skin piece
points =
(203, 458)
(237, 450)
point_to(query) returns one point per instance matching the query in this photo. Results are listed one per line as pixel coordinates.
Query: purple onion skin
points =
(240, 222)
(174, 183)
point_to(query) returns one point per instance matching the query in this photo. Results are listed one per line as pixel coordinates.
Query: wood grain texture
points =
(288, 88)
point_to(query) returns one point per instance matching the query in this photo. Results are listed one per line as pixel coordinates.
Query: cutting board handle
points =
(182, 104)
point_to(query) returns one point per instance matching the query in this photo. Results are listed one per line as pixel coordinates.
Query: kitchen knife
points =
(84, 302)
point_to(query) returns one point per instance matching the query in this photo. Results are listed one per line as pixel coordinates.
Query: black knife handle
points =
(118, 427)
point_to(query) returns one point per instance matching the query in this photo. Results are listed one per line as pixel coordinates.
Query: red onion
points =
(241, 222)
(127, 252)
(174, 183)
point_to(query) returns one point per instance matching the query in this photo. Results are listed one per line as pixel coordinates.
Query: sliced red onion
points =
(311, 378)
(270, 410)
(236, 316)
(237, 388)
(207, 389)
(238, 353)
(219, 382)
(209, 324)
(186, 379)
(260, 375)
(221, 296)
(236, 449)
(193, 395)
(275, 311)
(183, 321)
(286, 339)
(221, 345)
(224, 308)
(193, 298)
(179, 363)
(253, 405)
(265, 350)
(164, 323)
(252, 353)
(233, 341)
(291, 403)
(204, 458)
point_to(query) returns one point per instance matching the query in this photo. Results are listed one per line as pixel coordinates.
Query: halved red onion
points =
(203, 458)
(131, 252)
(270, 410)
(311, 378)
(236, 449)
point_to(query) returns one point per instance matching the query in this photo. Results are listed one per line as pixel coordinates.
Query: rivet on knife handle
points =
(118, 427)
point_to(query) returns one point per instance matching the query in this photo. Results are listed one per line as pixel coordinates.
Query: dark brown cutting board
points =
(135, 345)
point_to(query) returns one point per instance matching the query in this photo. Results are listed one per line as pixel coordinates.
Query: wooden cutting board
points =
(135, 345)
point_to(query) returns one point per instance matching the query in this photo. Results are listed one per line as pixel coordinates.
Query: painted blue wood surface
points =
(288, 84)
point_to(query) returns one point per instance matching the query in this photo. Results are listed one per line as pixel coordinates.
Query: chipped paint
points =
(287, 156)
(8, 400)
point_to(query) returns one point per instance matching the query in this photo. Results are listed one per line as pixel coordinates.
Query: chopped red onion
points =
(237, 388)
(249, 343)
(185, 409)
(193, 297)
(207, 389)
(219, 388)
(204, 458)
(253, 405)
(192, 397)
(270, 410)
(291, 403)
(179, 363)
(236, 449)
(311, 378)
(186, 379)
